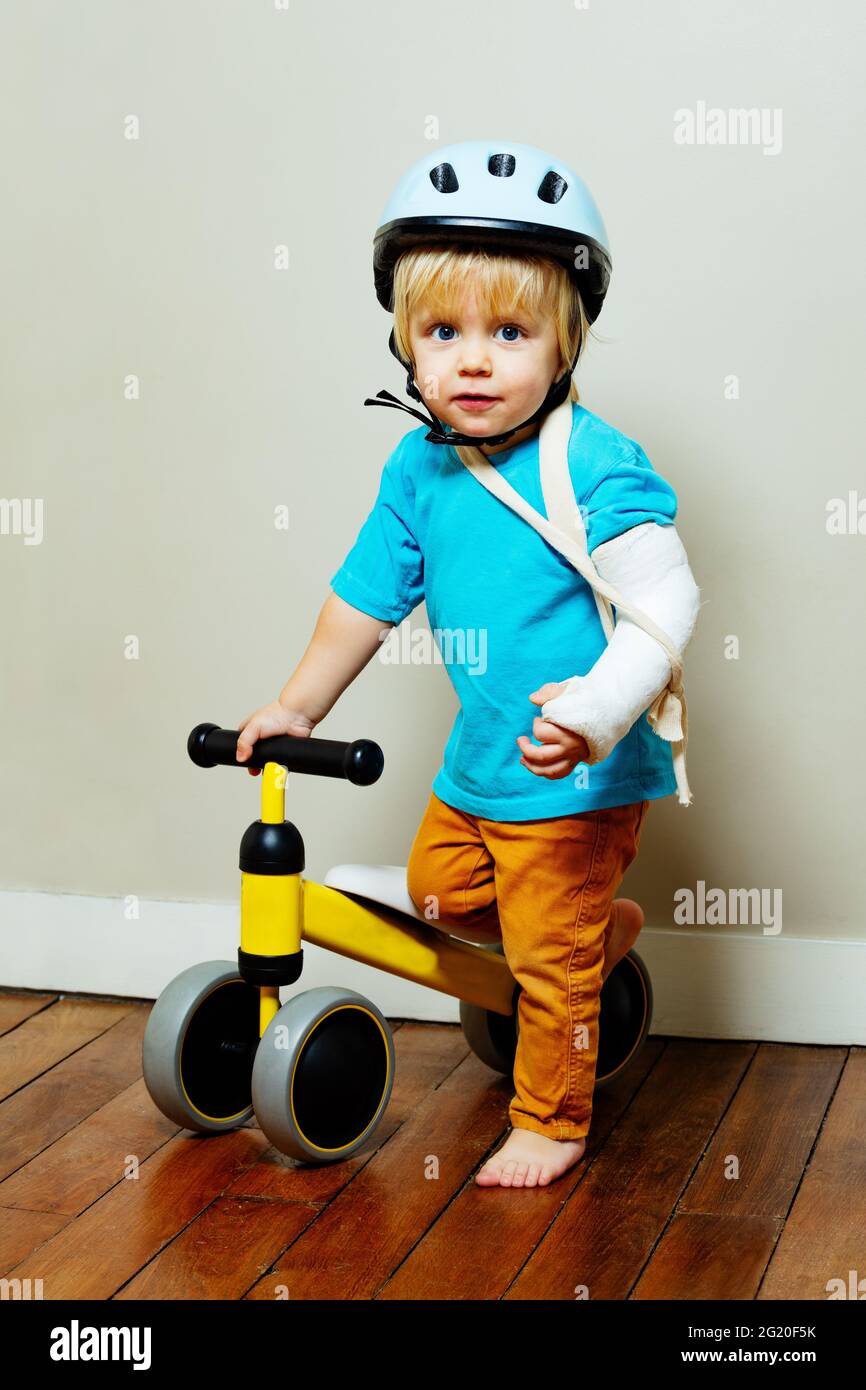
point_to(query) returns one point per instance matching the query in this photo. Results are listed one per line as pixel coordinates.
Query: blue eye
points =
(450, 329)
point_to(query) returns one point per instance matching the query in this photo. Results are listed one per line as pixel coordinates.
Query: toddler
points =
(493, 259)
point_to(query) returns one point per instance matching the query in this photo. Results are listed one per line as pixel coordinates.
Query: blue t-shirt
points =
(507, 611)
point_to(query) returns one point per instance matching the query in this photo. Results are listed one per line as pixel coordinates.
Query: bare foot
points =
(626, 920)
(527, 1159)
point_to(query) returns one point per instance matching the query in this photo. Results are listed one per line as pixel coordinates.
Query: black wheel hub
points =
(219, 1048)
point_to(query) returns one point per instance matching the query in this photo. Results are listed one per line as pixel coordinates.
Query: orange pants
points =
(545, 888)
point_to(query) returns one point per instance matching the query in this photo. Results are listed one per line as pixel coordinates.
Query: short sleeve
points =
(631, 492)
(383, 573)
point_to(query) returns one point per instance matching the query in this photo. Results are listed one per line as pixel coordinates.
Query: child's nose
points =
(475, 356)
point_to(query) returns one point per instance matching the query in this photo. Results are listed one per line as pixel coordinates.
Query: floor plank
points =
(822, 1250)
(93, 1256)
(713, 1171)
(16, 1007)
(222, 1252)
(728, 1220)
(85, 1162)
(608, 1228)
(50, 1035)
(22, 1232)
(480, 1242)
(48, 1107)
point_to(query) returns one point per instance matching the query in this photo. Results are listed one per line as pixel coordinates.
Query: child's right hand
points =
(271, 719)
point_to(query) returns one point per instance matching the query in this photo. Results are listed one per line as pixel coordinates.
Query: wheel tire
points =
(626, 1015)
(199, 1045)
(323, 1074)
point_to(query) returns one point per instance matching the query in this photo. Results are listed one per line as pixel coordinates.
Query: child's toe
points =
(490, 1174)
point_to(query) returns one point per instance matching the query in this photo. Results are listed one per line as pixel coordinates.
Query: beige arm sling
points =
(565, 531)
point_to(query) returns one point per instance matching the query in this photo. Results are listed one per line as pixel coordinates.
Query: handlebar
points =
(360, 762)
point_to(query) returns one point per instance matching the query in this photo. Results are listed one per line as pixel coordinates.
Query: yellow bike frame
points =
(278, 911)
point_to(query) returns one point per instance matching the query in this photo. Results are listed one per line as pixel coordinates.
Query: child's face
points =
(513, 360)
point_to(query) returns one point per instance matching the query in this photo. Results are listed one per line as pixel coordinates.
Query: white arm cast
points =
(648, 565)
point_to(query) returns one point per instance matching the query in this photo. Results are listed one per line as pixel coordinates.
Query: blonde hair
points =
(504, 284)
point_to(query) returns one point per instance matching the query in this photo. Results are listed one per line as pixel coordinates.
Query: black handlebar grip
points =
(360, 762)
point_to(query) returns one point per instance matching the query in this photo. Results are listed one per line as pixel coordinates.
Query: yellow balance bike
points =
(317, 1072)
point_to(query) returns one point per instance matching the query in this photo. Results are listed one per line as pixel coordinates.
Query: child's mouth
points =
(470, 401)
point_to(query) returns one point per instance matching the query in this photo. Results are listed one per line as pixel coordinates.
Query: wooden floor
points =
(714, 1170)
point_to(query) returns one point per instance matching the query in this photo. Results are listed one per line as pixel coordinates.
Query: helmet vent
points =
(444, 179)
(502, 165)
(551, 188)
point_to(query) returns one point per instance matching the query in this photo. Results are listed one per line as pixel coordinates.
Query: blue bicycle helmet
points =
(497, 196)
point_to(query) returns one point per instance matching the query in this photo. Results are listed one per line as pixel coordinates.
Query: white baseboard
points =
(706, 983)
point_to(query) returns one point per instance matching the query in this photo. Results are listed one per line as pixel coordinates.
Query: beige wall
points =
(154, 257)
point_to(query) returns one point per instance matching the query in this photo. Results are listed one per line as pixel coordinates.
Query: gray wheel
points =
(323, 1074)
(199, 1045)
(492, 1036)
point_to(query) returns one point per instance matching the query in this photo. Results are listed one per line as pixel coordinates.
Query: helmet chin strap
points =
(438, 434)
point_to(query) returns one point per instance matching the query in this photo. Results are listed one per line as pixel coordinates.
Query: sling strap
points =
(565, 531)
(559, 499)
